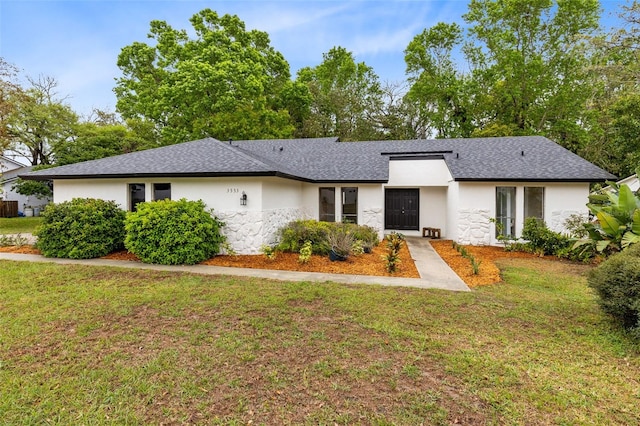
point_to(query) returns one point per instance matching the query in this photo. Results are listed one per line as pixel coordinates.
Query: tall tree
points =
(39, 121)
(95, 140)
(528, 56)
(9, 95)
(615, 100)
(344, 94)
(227, 82)
(438, 87)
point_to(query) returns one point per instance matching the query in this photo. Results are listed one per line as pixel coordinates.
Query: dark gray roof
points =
(525, 158)
(14, 173)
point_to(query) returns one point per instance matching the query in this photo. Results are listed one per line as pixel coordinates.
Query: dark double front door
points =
(401, 209)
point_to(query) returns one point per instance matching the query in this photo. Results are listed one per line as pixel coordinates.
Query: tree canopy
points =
(226, 83)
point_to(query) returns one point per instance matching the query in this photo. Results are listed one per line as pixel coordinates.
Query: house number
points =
(232, 190)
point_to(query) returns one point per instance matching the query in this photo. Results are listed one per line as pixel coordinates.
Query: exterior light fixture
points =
(243, 199)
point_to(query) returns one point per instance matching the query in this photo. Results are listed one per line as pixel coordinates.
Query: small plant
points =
(340, 239)
(305, 252)
(367, 235)
(575, 224)
(475, 265)
(392, 257)
(357, 248)
(268, 251)
(542, 240)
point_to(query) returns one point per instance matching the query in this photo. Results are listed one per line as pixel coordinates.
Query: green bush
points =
(617, 283)
(294, 235)
(173, 232)
(82, 228)
(541, 239)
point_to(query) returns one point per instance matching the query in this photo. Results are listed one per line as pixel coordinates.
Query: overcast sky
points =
(77, 41)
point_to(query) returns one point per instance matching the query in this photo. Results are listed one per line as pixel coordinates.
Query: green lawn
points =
(88, 345)
(17, 225)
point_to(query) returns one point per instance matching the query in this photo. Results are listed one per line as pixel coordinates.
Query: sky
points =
(77, 42)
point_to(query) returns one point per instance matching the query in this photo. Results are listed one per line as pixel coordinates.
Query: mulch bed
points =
(366, 264)
(487, 255)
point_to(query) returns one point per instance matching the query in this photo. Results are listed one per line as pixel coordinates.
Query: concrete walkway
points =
(434, 272)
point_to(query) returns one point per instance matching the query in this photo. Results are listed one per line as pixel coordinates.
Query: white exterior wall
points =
(246, 227)
(432, 178)
(477, 204)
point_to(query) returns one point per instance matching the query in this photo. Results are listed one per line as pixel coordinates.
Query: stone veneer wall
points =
(474, 227)
(558, 217)
(374, 217)
(247, 231)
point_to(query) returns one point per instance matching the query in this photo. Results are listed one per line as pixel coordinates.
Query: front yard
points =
(17, 225)
(94, 345)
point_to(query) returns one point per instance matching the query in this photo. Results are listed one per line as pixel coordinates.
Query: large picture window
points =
(161, 191)
(350, 205)
(534, 202)
(327, 205)
(506, 211)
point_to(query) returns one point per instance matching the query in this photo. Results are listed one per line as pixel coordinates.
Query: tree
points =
(615, 100)
(9, 94)
(104, 138)
(528, 57)
(39, 121)
(437, 84)
(227, 82)
(344, 94)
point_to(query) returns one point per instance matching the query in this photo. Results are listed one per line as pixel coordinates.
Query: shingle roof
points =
(525, 158)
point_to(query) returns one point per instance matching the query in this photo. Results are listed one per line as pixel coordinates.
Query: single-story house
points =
(9, 172)
(256, 187)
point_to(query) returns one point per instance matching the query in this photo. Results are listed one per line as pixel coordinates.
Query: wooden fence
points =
(8, 208)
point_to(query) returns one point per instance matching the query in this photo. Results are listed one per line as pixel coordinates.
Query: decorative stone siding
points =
(558, 217)
(247, 231)
(374, 217)
(275, 219)
(474, 227)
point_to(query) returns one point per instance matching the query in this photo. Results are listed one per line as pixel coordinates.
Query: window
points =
(161, 191)
(136, 195)
(534, 202)
(506, 211)
(327, 204)
(350, 205)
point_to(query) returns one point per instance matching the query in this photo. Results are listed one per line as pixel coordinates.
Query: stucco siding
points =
(417, 173)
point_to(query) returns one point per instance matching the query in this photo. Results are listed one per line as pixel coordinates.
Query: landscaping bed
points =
(366, 264)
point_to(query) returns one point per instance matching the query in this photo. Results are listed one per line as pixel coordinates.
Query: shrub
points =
(341, 239)
(541, 239)
(82, 228)
(617, 283)
(173, 232)
(305, 252)
(294, 235)
(367, 235)
(392, 257)
(269, 252)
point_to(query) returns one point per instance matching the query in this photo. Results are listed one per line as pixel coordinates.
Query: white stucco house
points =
(9, 172)
(631, 181)
(256, 187)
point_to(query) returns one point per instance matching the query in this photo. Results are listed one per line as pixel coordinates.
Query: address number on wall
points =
(233, 190)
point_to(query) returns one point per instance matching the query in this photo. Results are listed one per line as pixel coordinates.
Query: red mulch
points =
(366, 264)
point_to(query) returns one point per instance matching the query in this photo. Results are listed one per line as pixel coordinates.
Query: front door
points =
(401, 209)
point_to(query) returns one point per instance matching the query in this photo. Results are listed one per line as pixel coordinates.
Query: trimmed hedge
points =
(617, 283)
(82, 228)
(173, 232)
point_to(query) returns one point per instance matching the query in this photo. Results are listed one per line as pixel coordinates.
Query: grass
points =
(19, 225)
(96, 345)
